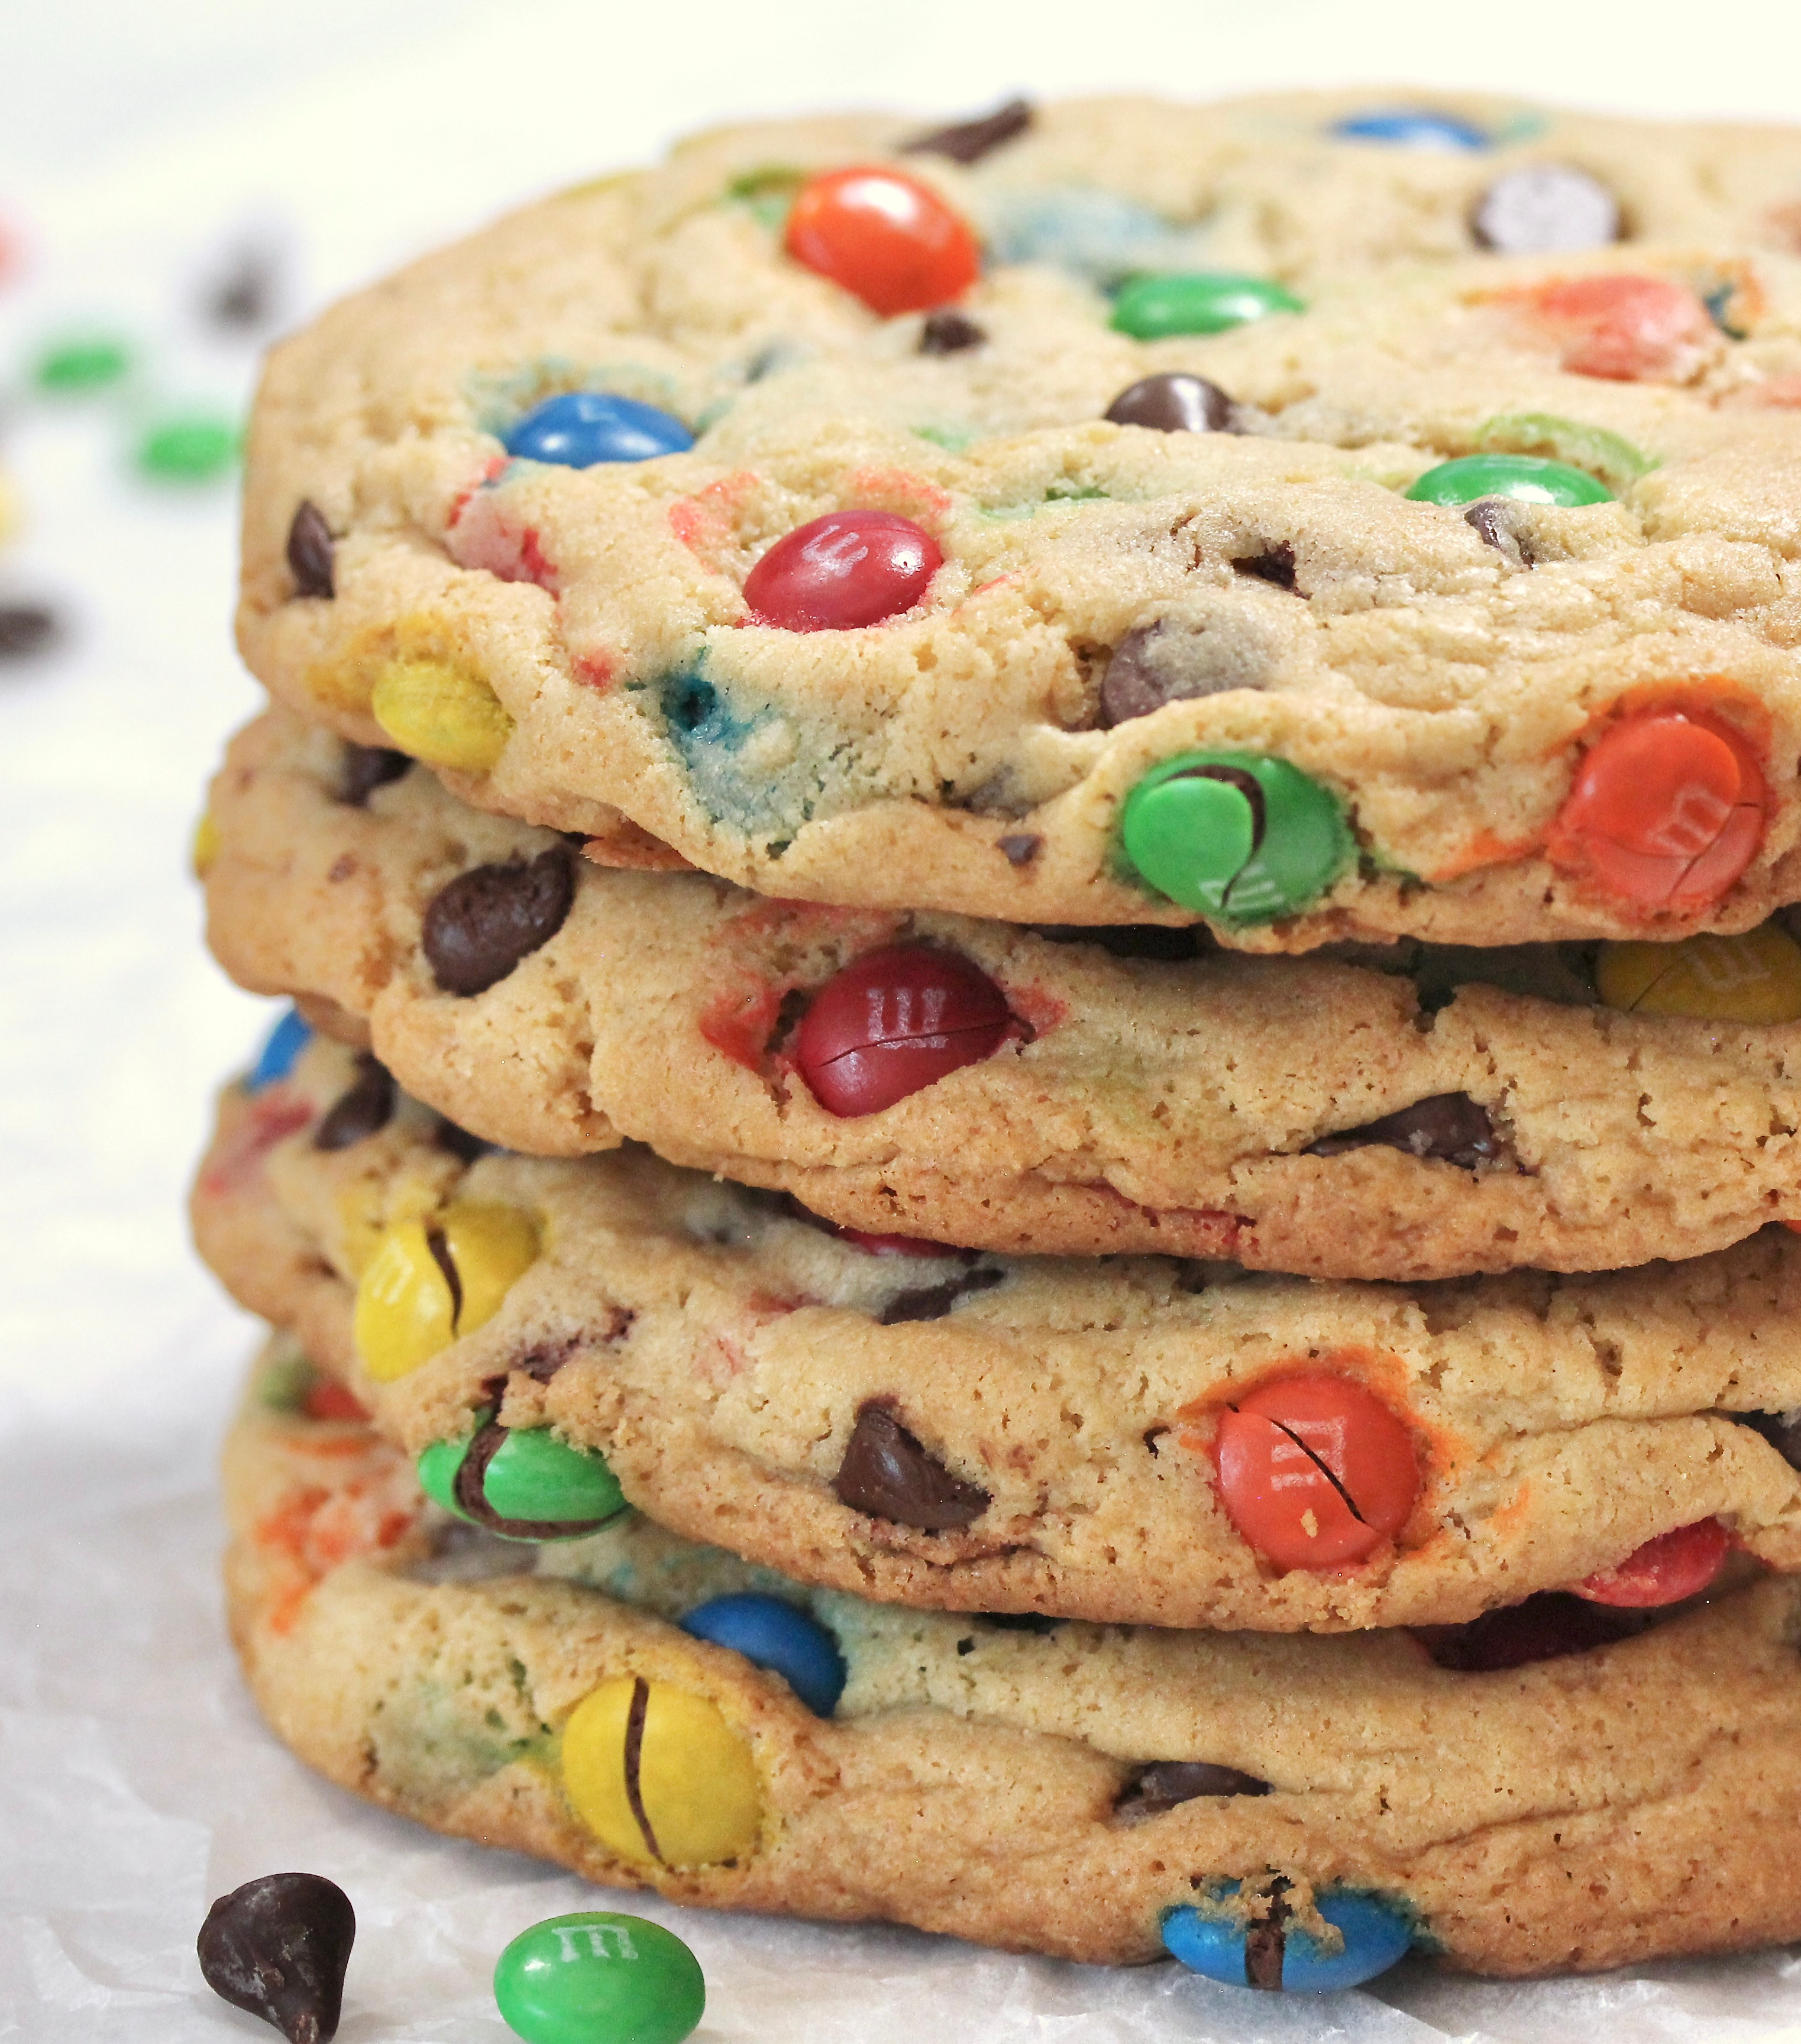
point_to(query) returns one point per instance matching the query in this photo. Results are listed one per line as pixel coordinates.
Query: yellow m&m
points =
(1755, 977)
(442, 714)
(658, 1775)
(432, 1281)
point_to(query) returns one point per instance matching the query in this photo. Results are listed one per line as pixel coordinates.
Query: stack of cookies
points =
(1046, 1055)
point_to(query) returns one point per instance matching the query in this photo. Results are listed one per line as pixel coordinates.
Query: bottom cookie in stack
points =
(1511, 1796)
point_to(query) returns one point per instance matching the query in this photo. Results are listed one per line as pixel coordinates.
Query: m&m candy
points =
(83, 362)
(1675, 1565)
(1314, 1470)
(1197, 301)
(188, 448)
(1234, 834)
(1666, 811)
(893, 1021)
(1755, 977)
(848, 569)
(1625, 329)
(431, 1281)
(521, 1483)
(282, 1046)
(1411, 127)
(1526, 478)
(657, 1774)
(886, 238)
(582, 428)
(1276, 1952)
(775, 1635)
(595, 1977)
(442, 714)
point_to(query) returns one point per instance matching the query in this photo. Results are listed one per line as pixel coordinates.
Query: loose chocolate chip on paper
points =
(1164, 1783)
(366, 1109)
(887, 1473)
(948, 333)
(969, 141)
(1174, 403)
(366, 768)
(311, 553)
(480, 926)
(26, 629)
(1545, 209)
(244, 296)
(279, 1946)
(1450, 1126)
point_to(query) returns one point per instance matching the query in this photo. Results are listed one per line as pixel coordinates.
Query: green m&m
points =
(521, 1484)
(596, 1977)
(1236, 835)
(1527, 479)
(1196, 301)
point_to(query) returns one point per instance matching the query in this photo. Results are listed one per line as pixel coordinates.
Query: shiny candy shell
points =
(406, 1308)
(1679, 1564)
(1197, 301)
(658, 1775)
(533, 1486)
(582, 428)
(887, 238)
(1753, 978)
(775, 1635)
(442, 714)
(894, 1021)
(1376, 1936)
(846, 570)
(1236, 835)
(1525, 477)
(1411, 127)
(282, 1046)
(596, 1977)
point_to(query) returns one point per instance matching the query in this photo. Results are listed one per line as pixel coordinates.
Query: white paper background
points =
(136, 1782)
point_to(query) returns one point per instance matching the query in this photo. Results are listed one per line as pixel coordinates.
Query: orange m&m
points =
(1315, 1470)
(1666, 811)
(886, 237)
(1629, 329)
(1675, 1565)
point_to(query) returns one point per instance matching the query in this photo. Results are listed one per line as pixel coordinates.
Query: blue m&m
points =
(283, 1044)
(1411, 127)
(583, 427)
(776, 1636)
(1376, 1935)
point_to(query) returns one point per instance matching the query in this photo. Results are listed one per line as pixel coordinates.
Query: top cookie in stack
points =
(809, 510)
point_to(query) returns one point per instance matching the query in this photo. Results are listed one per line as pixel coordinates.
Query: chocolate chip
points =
(279, 1946)
(1037, 1623)
(459, 1142)
(932, 1302)
(1781, 1430)
(969, 141)
(1155, 665)
(366, 768)
(1498, 522)
(1276, 566)
(1544, 1627)
(311, 553)
(479, 927)
(472, 1497)
(1447, 1125)
(243, 299)
(1266, 1942)
(949, 333)
(1545, 209)
(26, 629)
(1170, 945)
(888, 1474)
(1174, 403)
(366, 1109)
(1021, 847)
(1164, 1783)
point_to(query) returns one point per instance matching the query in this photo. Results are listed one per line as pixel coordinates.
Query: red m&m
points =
(848, 569)
(1627, 328)
(887, 238)
(1315, 1470)
(894, 1021)
(1667, 811)
(1675, 1566)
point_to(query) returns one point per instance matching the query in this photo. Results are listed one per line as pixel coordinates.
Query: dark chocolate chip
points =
(888, 1474)
(969, 141)
(948, 333)
(1164, 1783)
(479, 927)
(472, 1497)
(1154, 666)
(311, 553)
(1544, 1627)
(1276, 565)
(932, 1302)
(279, 1946)
(1020, 847)
(367, 1108)
(244, 298)
(1170, 944)
(1545, 209)
(1036, 1621)
(1174, 403)
(1448, 1125)
(1266, 1942)
(1497, 521)
(26, 629)
(459, 1142)
(1781, 1430)
(366, 768)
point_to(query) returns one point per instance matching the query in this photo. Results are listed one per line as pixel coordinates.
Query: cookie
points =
(1109, 1440)
(1460, 1111)
(1092, 1792)
(935, 609)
